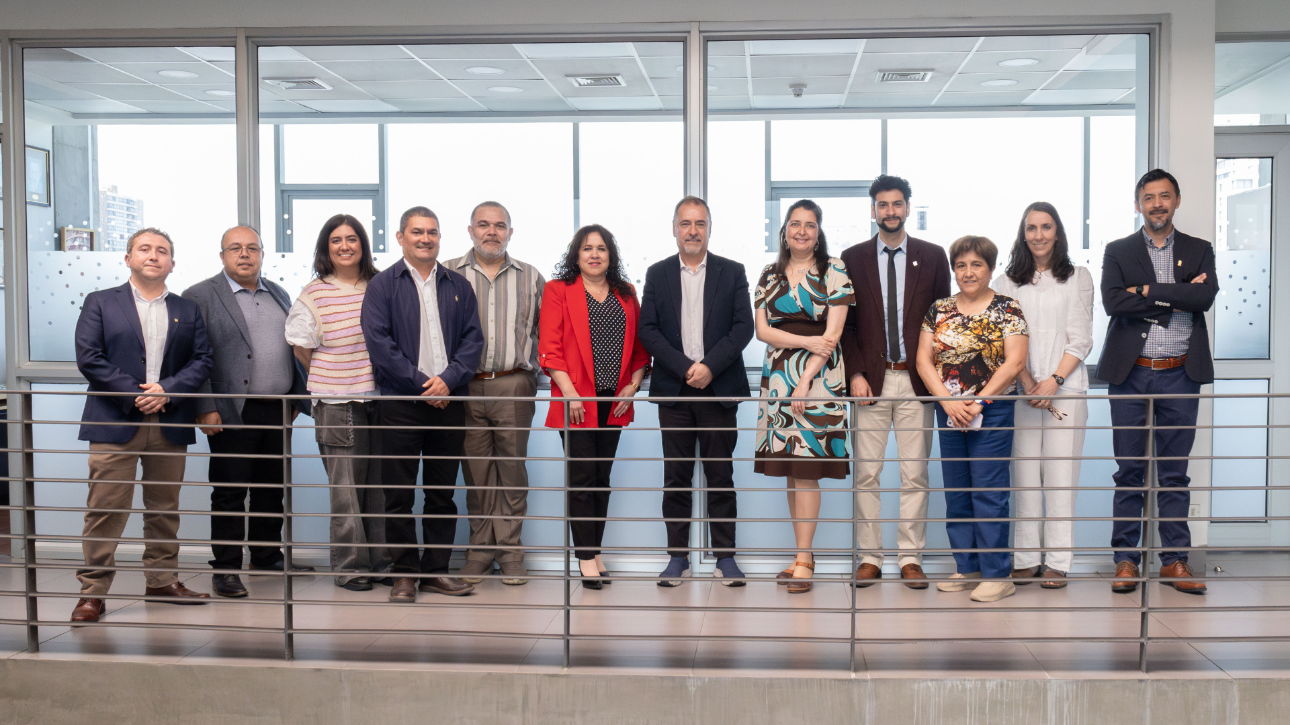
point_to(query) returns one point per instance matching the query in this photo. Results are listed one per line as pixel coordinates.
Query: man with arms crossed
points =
(138, 338)
(696, 319)
(422, 330)
(509, 293)
(1157, 284)
(903, 276)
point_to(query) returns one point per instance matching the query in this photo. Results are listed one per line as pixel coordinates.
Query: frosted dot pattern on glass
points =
(1243, 251)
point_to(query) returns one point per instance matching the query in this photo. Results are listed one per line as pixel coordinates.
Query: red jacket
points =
(564, 343)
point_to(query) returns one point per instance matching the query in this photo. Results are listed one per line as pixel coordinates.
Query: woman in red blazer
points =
(589, 345)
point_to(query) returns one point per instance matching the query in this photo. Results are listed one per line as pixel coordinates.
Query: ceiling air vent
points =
(298, 84)
(598, 81)
(904, 76)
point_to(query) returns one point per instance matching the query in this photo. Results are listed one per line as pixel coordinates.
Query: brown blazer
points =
(864, 339)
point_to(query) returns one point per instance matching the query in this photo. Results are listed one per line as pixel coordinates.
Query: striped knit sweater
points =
(340, 365)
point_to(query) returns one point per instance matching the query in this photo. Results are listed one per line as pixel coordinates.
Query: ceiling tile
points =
(779, 66)
(53, 55)
(665, 67)
(729, 103)
(370, 106)
(198, 91)
(889, 100)
(437, 105)
(727, 67)
(129, 91)
(352, 52)
(381, 70)
(275, 53)
(515, 105)
(101, 106)
(1131, 98)
(578, 50)
(1049, 60)
(1084, 97)
(344, 92)
(1112, 52)
(178, 107)
(276, 105)
(1234, 62)
(820, 100)
(78, 73)
(972, 82)
(557, 71)
(528, 89)
(212, 54)
(151, 72)
(465, 51)
(821, 46)
(1086, 80)
(919, 45)
(455, 69)
(733, 48)
(660, 50)
(388, 90)
(36, 88)
(1035, 42)
(669, 86)
(1006, 98)
(814, 85)
(672, 103)
(138, 54)
(293, 69)
(628, 103)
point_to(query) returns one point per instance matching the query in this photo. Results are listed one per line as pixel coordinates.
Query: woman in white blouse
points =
(1057, 299)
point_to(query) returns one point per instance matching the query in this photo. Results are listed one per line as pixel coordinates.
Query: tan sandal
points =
(784, 576)
(801, 587)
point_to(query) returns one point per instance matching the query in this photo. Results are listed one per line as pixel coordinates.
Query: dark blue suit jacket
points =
(110, 354)
(392, 328)
(727, 327)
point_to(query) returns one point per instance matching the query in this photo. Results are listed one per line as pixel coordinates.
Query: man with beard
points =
(696, 319)
(509, 293)
(896, 278)
(1157, 284)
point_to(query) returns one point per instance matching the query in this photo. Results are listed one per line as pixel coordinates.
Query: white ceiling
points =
(753, 75)
(1252, 78)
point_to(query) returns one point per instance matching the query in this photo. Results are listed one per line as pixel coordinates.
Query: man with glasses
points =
(246, 318)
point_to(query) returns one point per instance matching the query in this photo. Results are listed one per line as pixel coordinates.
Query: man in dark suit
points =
(138, 338)
(1157, 284)
(896, 278)
(246, 318)
(696, 319)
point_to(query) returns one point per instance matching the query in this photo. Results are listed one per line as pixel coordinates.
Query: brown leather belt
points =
(1162, 363)
(500, 374)
(897, 366)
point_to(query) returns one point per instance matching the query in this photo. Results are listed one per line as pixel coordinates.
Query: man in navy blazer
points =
(140, 340)
(421, 325)
(1157, 284)
(696, 319)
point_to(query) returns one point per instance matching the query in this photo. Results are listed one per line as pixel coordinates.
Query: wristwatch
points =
(1060, 380)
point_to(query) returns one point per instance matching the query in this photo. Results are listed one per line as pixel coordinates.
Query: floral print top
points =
(967, 349)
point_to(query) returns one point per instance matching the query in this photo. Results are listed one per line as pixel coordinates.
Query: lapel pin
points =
(1180, 263)
(915, 262)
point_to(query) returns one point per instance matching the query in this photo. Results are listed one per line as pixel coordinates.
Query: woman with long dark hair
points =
(590, 307)
(323, 328)
(801, 302)
(1057, 298)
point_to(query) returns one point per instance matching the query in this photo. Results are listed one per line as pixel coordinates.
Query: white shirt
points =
(432, 358)
(902, 258)
(153, 317)
(692, 309)
(1060, 318)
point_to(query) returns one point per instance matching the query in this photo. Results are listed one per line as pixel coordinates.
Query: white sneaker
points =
(957, 582)
(993, 591)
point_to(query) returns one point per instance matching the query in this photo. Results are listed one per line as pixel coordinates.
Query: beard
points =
(484, 252)
(1158, 226)
(900, 224)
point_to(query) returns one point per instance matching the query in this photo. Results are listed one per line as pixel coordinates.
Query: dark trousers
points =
(404, 433)
(1173, 498)
(680, 442)
(264, 441)
(591, 478)
(982, 502)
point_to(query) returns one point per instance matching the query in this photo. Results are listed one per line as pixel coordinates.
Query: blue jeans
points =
(984, 475)
(1173, 498)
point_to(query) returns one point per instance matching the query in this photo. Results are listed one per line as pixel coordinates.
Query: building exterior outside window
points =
(120, 216)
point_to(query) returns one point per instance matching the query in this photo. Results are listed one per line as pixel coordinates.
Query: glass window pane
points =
(328, 153)
(308, 216)
(825, 150)
(1243, 252)
(1251, 83)
(1237, 442)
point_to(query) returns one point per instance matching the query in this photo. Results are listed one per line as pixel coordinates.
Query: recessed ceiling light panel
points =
(485, 70)
(998, 82)
(1018, 62)
(176, 74)
(505, 89)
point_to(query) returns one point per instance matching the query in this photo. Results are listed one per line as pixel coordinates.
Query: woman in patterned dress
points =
(801, 303)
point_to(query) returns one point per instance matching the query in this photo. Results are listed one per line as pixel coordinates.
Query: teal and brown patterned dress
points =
(816, 444)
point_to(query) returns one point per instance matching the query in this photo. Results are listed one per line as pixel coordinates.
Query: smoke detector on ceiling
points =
(298, 84)
(797, 89)
(597, 81)
(904, 76)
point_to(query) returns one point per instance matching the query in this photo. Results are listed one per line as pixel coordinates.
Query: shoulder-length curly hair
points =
(1021, 263)
(567, 269)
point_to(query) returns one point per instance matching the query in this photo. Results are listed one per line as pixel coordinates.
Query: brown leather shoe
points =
(866, 573)
(1125, 569)
(784, 577)
(1022, 577)
(446, 585)
(88, 610)
(177, 590)
(913, 576)
(404, 590)
(1181, 570)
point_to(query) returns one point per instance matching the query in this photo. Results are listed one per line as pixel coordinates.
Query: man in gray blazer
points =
(246, 317)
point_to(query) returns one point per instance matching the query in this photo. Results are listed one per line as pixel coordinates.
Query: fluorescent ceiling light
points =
(505, 89)
(999, 82)
(177, 73)
(485, 70)
(219, 92)
(1018, 62)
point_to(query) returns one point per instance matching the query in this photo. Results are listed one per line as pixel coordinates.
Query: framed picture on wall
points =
(75, 239)
(37, 176)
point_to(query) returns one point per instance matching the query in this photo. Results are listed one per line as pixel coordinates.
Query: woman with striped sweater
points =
(323, 327)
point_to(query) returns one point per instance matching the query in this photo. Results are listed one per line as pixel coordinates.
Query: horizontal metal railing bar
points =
(306, 397)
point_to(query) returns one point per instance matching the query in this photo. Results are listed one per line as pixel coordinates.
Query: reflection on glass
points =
(308, 216)
(1251, 83)
(1243, 251)
(1244, 441)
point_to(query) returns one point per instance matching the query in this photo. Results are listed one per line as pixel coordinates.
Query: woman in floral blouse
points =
(973, 346)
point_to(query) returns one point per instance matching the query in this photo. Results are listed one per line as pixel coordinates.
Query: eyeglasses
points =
(252, 251)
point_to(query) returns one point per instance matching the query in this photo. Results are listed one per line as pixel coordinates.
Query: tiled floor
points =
(459, 633)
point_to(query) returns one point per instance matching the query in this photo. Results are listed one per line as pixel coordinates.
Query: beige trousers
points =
(913, 422)
(113, 467)
(487, 439)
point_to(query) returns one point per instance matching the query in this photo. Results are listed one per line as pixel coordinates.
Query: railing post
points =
(29, 520)
(568, 583)
(288, 621)
(855, 528)
(1148, 529)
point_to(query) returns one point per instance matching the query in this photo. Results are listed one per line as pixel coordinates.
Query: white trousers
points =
(913, 422)
(1039, 435)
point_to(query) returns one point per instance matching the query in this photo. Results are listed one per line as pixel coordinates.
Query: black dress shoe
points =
(446, 585)
(228, 585)
(592, 583)
(357, 584)
(387, 581)
(278, 566)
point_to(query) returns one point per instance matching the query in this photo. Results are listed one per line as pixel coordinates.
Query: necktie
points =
(893, 322)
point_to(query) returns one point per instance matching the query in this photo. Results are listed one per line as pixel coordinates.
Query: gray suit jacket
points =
(231, 341)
